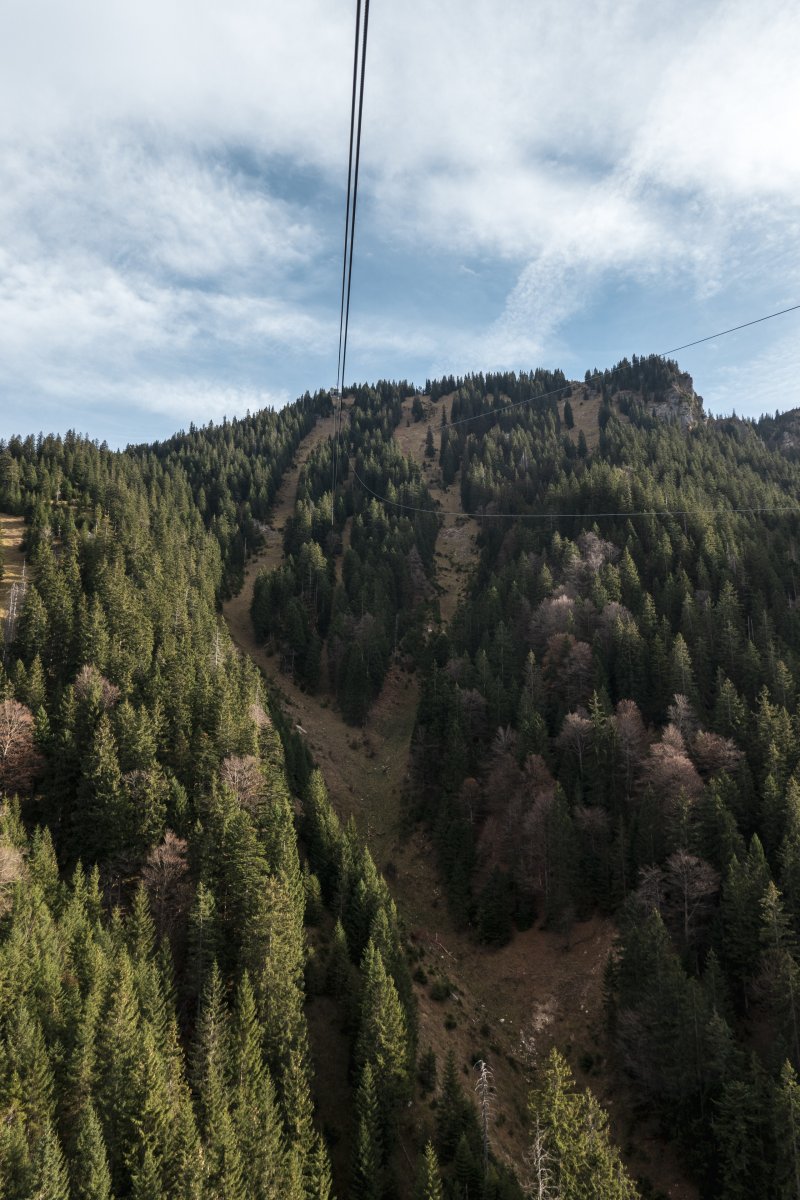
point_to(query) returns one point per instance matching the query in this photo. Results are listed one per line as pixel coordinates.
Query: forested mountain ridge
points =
(605, 726)
(599, 726)
(781, 432)
(155, 919)
(609, 721)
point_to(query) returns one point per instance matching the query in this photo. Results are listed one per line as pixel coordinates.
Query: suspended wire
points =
(355, 185)
(349, 226)
(339, 383)
(349, 182)
(733, 329)
(493, 412)
(344, 322)
(749, 510)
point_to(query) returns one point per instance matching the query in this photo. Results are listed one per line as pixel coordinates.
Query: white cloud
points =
(199, 400)
(576, 143)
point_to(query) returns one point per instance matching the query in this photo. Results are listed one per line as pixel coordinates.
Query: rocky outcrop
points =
(679, 403)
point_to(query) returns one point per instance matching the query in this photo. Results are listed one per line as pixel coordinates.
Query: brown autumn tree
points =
(242, 775)
(632, 739)
(165, 875)
(567, 669)
(713, 753)
(684, 891)
(20, 761)
(668, 768)
(576, 736)
(90, 682)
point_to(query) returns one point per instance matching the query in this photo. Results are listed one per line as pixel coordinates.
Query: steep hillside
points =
(559, 998)
(603, 729)
(782, 432)
(608, 727)
(541, 640)
(163, 932)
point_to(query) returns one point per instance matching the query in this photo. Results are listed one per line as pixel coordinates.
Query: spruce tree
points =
(254, 1110)
(454, 1114)
(786, 1120)
(91, 1178)
(429, 1185)
(49, 1178)
(368, 1152)
(100, 823)
(383, 1035)
(585, 1163)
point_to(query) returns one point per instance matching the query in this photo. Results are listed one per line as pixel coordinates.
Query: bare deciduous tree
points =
(165, 876)
(540, 1184)
(576, 735)
(631, 738)
(89, 680)
(713, 753)
(20, 761)
(554, 615)
(682, 716)
(242, 775)
(485, 1089)
(684, 891)
(12, 868)
(669, 770)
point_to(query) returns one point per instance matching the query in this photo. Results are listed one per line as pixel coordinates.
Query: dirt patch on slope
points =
(456, 546)
(12, 531)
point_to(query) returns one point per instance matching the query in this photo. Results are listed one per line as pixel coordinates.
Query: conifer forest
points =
(214, 981)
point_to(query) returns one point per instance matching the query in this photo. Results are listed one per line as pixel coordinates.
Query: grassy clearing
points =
(12, 531)
(456, 546)
(585, 410)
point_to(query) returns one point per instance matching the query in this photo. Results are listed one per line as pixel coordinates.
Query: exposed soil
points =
(456, 546)
(12, 531)
(585, 404)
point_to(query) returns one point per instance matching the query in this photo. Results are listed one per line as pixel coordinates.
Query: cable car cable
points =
(344, 254)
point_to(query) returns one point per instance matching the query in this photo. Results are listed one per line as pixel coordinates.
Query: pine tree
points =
(319, 1181)
(211, 1058)
(27, 1054)
(254, 1110)
(585, 1163)
(100, 821)
(91, 1178)
(365, 1182)
(146, 1178)
(786, 1120)
(780, 971)
(49, 1178)
(383, 1035)
(368, 1147)
(203, 937)
(740, 1132)
(742, 890)
(454, 1113)
(789, 855)
(279, 982)
(339, 970)
(118, 1049)
(429, 1185)
(298, 1106)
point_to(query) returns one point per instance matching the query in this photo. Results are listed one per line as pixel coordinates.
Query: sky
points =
(555, 185)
